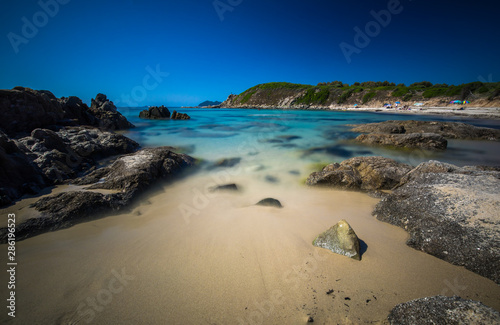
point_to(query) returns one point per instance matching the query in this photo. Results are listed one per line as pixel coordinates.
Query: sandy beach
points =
(467, 112)
(229, 262)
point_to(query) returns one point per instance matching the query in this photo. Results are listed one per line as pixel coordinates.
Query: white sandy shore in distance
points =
(468, 112)
(230, 262)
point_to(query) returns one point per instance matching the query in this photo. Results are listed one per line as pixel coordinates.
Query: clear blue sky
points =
(91, 46)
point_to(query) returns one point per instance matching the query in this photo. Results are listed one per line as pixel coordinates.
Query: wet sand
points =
(229, 262)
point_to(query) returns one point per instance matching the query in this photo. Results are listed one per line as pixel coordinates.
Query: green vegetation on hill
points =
(339, 93)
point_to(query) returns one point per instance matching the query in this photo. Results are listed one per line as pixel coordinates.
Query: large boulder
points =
(24, 109)
(443, 310)
(361, 173)
(18, 174)
(155, 113)
(451, 213)
(128, 176)
(449, 130)
(428, 141)
(340, 239)
(109, 118)
(62, 155)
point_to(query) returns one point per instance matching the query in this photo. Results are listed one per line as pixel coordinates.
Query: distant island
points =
(209, 103)
(368, 94)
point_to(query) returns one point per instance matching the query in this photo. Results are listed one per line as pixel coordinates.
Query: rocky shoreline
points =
(45, 141)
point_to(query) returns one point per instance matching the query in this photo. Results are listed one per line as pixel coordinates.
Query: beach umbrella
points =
(398, 102)
(456, 102)
(419, 104)
(355, 105)
(466, 102)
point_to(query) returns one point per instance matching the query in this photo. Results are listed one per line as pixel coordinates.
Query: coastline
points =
(492, 113)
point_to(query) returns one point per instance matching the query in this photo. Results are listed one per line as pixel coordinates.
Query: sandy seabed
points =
(187, 256)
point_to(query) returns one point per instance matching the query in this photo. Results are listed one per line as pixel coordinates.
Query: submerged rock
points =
(340, 239)
(155, 113)
(269, 202)
(226, 187)
(443, 310)
(428, 141)
(449, 130)
(450, 212)
(361, 173)
(179, 116)
(227, 162)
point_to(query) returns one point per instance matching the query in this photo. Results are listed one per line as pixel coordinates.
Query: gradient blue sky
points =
(106, 46)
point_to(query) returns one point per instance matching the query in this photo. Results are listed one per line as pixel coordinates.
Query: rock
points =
(428, 141)
(361, 173)
(449, 130)
(109, 118)
(226, 187)
(227, 162)
(25, 109)
(62, 155)
(310, 319)
(340, 239)
(271, 179)
(155, 113)
(451, 213)
(270, 202)
(179, 116)
(18, 174)
(443, 310)
(137, 171)
(129, 176)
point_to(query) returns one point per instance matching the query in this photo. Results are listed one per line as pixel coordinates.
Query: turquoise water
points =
(295, 138)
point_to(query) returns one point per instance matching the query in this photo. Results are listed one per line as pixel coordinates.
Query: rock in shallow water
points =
(155, 113)
(443, 310)
(361, 173)
(427, 141)
(340, 239)
(270, 202)
(226, 187)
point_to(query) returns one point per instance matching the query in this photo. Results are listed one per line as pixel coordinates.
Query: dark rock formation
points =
(129, 176)
(443, 310)
(270, 202)
(62, 155)
(428, 141)
(225, 187)
(24, 109)
(18, 173)
(155, 113)
(451, 213)
(449, 130)
(361, 173)
(109, 118)
(340, 239)
(227, 162)
(179, 116)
